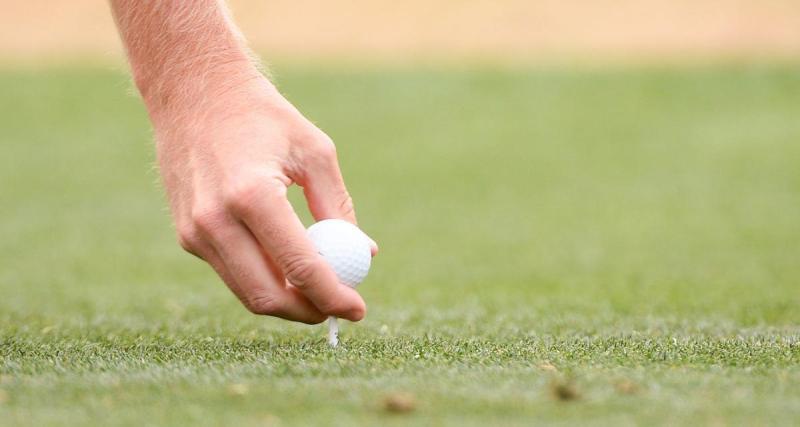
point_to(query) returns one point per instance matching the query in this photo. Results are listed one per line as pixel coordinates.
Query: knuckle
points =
(263, 305)
(346, 206)
(207, 219)
(300, 270)
(242, 196)
(322, 150)
(188, 237)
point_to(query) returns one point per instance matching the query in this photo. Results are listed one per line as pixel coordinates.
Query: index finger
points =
(266, 211)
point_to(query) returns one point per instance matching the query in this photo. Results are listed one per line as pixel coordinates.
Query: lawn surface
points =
(558, 246)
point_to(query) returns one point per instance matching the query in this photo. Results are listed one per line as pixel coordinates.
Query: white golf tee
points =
(333, 331)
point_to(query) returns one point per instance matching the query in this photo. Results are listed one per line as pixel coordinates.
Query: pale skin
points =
(228, 147)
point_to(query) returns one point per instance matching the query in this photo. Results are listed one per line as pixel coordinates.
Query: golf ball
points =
(345, 248)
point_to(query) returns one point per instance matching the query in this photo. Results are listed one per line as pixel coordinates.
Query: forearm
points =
(182, 53)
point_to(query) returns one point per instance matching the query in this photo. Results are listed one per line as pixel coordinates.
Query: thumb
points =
(323, 184)
(327, 195)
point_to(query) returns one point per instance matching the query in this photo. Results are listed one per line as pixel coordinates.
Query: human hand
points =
(226, 162)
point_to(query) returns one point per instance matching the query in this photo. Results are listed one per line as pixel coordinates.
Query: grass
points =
(557, 246)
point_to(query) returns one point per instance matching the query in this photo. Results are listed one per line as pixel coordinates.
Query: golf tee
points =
(333, 331)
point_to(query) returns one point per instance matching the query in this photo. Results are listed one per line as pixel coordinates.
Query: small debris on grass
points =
(626, 387)
(547, 366)
(3, 396)
(564, 390)
(238, 389)
(400, 403)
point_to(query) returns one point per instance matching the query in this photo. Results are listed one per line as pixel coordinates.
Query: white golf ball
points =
(345, 247)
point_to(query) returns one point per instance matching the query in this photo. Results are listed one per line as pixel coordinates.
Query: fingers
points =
(267, 213)
(234, 254)
(261, 288)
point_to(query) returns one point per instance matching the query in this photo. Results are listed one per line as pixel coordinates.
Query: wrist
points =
(194, 85)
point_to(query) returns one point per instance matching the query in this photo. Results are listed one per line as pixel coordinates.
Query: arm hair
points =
(181, 52)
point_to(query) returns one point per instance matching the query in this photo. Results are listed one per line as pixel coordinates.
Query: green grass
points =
(631, 235)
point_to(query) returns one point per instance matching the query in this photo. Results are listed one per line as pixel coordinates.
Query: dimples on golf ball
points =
(345, 247)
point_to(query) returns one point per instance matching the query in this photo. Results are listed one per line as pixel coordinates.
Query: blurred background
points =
(616, 155)
(510, 30)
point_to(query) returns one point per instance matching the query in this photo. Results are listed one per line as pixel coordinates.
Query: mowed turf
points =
(557, 246)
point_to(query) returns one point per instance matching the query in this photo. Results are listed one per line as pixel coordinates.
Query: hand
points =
(226, 164)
